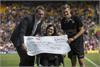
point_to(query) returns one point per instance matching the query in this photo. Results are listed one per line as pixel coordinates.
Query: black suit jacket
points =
(24, 29)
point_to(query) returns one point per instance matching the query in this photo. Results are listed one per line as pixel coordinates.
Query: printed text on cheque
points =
(46, 44)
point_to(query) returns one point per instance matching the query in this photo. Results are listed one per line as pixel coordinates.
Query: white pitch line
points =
(91, 62)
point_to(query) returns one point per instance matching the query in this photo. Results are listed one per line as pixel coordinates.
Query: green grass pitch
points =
(11, 60)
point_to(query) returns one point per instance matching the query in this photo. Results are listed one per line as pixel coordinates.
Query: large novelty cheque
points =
(46, 44)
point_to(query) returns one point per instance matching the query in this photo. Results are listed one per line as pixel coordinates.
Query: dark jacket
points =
(51, 59)
(24, 29)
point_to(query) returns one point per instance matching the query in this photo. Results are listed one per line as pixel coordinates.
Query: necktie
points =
(35, 26)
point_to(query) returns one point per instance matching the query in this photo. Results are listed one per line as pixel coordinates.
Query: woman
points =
(47, 59)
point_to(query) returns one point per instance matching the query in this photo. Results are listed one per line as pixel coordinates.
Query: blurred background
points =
(12, 11)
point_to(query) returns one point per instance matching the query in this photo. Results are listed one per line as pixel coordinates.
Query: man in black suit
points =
(29, 26)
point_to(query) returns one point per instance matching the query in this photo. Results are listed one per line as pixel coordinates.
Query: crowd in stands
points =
(11, 15)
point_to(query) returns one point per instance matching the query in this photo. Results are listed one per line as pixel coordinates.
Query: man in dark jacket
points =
(29, 26)
(73, 27)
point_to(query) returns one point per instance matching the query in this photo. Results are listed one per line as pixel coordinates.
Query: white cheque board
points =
(46, 44)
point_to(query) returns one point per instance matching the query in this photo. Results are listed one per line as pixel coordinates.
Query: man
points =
(73, 27)
(29, 26)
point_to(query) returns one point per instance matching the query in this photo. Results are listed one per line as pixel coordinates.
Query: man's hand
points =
(24, 47)
(70, 40)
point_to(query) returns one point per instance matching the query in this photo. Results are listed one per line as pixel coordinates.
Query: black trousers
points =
(25, 60)
(47, 59)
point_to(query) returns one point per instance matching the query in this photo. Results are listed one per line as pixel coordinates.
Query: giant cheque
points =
(46, 44)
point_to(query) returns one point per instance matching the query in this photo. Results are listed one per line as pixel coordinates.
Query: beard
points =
(67, 16)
